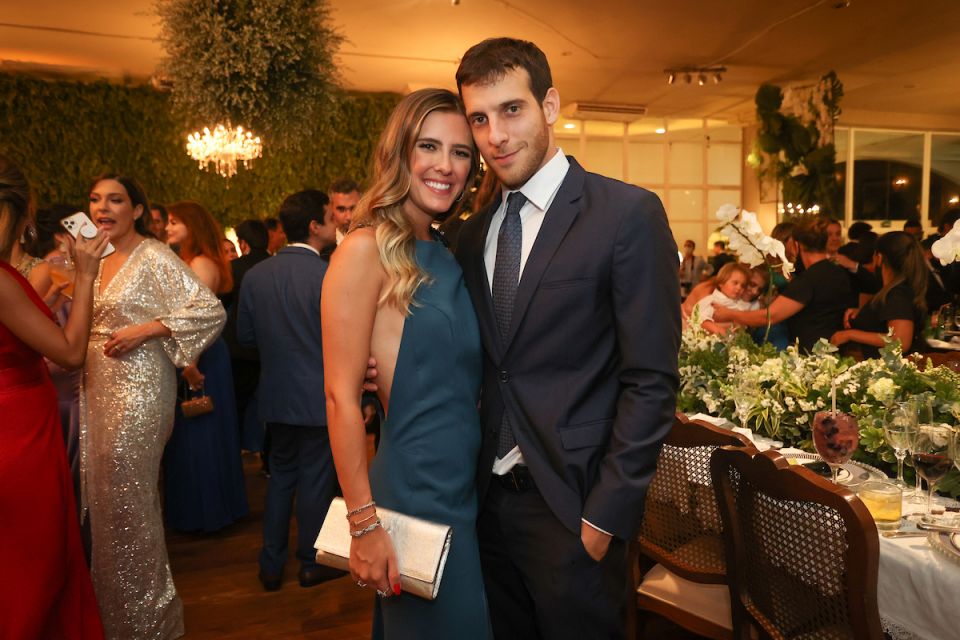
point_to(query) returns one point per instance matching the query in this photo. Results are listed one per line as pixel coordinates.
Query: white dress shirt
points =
(304, 245)
(539, 190)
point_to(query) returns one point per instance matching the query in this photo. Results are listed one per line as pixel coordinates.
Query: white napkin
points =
(717, 422)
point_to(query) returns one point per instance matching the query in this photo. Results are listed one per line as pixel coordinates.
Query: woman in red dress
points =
(46, 590)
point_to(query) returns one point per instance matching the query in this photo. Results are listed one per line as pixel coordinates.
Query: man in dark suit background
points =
(279, 313)
(574, 280)
(252, 236)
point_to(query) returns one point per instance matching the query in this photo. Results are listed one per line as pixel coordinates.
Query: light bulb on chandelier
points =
(223, 148)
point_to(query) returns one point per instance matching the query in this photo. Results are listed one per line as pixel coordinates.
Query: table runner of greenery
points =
(776, 393)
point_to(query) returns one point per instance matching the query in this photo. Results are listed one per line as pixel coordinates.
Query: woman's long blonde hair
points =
(382, 205)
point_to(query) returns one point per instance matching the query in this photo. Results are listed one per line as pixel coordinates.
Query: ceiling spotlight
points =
(688, 73)
(569, 125)
(660, 130)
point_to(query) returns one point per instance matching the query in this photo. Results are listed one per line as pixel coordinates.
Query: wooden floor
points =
(216, 575)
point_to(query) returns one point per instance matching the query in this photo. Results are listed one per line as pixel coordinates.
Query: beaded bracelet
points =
(362, 532)
(360, 509)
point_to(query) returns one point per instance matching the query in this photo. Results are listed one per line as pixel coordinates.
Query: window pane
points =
(645, 163)
(686, 163)
(718, 197)
(887, 175)
(605, 157)
(944, 174)
(685, 204)
(724, 165)
(841, 142)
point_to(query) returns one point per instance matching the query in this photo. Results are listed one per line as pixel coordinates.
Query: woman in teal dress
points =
(394, 292)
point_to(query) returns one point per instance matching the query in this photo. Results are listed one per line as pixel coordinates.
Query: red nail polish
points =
(396, 589)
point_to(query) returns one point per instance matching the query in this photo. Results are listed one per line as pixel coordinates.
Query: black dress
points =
(875, 317)
(825, 292)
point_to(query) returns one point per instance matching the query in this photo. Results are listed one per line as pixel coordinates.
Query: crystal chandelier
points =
(223, 148)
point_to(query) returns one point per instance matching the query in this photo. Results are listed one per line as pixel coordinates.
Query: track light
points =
(701, 73)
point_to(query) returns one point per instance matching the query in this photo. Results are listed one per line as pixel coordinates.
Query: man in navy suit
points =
(279, 313)
(574, 280)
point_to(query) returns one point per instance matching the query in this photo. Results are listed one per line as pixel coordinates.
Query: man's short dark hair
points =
(491, 59)
(299, 210)
(272, 224)
(721, 244)
(254, 233)
(344, 185)
(156, 206)
(913, 223)
(857, 229)
(949, 217)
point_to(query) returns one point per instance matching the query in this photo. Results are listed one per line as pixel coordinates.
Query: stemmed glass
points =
(923, 408)
(931, 455)
(900, 431)
(836, 436)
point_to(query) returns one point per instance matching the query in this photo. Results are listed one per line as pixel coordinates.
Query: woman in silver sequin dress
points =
(151, 315)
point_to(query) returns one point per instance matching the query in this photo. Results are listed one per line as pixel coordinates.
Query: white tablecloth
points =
(918, 590)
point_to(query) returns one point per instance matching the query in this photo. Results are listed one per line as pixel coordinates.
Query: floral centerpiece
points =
(776, 394)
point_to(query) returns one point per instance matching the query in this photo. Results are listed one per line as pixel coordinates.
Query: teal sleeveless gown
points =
(429, 445)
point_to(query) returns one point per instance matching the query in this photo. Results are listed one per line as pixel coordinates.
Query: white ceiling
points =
(893, 56)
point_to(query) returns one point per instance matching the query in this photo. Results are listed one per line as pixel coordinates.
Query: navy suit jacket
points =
(279, 313)
(588, 372)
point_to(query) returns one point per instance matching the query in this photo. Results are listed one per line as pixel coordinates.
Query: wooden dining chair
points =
(682, 532)
(802, 552)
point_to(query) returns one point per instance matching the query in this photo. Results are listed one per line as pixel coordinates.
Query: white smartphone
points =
(80, 224)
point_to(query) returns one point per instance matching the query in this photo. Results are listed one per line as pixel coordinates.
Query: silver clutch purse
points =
(421, 547)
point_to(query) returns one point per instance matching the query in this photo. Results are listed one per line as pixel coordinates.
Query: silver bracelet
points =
(363, 508)
(362, 532)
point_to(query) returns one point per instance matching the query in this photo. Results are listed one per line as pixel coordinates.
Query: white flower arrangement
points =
(748, 240)
(947, 248)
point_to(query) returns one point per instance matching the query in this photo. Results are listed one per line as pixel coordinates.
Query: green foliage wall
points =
(63, 133)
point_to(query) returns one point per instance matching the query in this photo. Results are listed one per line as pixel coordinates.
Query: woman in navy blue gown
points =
(203, 472)
(394, 291)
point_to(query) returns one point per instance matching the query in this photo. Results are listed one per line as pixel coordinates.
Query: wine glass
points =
(931, 455)
(836, 436)
(923, 407)
(900, 431)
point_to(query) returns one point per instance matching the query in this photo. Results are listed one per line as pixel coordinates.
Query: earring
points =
(29, 234)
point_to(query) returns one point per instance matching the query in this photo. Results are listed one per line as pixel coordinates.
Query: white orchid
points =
(728, 213)
(747, 239)
(947, 248)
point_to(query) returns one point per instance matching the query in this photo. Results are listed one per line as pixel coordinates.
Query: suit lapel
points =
(561, 214)
(481, 285)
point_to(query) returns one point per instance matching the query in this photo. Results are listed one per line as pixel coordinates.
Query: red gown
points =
(45, 587)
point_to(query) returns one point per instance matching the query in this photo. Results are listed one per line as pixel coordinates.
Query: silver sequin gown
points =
(126, 410)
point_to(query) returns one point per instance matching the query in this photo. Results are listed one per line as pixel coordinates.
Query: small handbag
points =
(421, 547)
(193, 407)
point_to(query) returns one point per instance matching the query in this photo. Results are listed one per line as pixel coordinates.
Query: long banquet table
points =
(918, 588)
